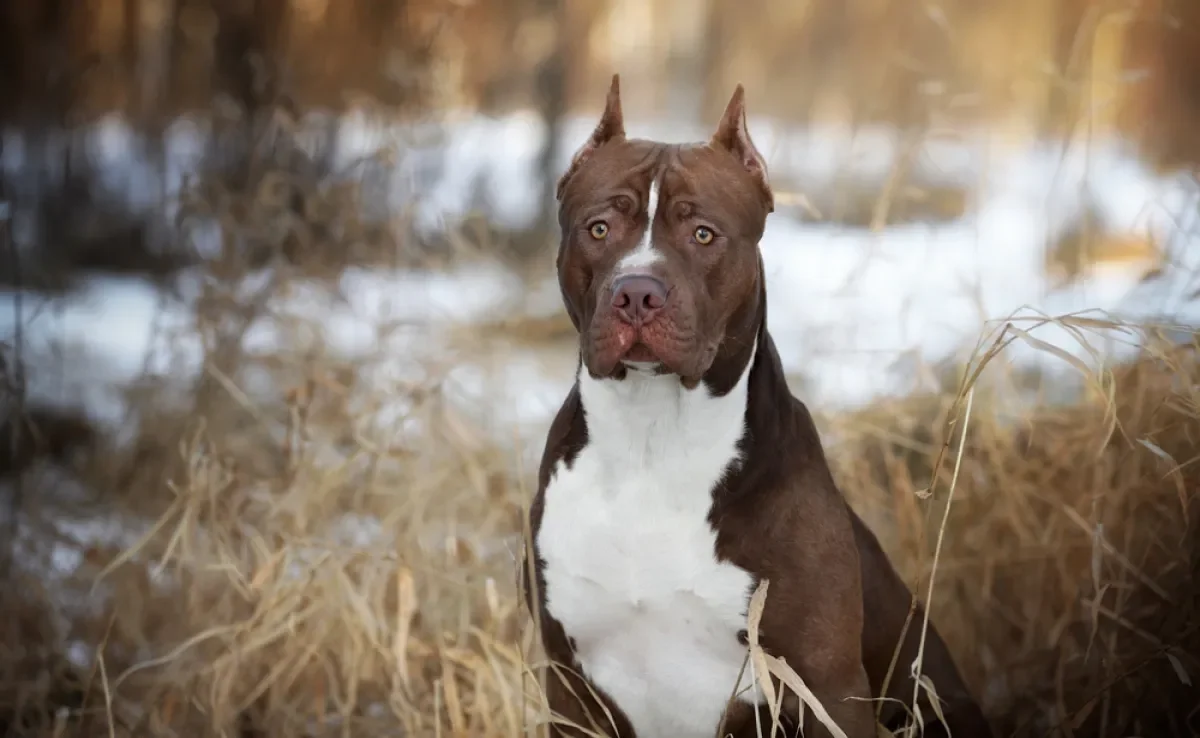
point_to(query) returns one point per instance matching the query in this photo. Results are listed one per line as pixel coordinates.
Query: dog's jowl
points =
(680, 472)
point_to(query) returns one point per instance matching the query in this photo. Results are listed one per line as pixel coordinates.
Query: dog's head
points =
(659, 263)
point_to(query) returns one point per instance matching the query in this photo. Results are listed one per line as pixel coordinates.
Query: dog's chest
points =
(631, 573)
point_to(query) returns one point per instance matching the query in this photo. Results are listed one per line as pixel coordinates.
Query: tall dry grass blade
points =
(406, 610)
(920, 681)
(758, 665)
(132, 551)
(1173, 472)
(108, 699)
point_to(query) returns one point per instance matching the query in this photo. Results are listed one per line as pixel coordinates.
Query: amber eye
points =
(599, 230)
(703, 236)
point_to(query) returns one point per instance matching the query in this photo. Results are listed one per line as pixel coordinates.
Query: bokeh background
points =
(281, 338)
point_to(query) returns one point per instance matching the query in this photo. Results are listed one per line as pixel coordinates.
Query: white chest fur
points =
(630, 566)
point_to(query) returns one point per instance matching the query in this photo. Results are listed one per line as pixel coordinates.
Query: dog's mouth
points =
(618, 348)
(640, 356)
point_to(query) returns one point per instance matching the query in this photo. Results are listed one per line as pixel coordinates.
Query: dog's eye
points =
(599, 230)
(704, 236)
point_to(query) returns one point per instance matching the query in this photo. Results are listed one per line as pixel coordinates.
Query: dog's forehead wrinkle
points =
(599, 183)
(645, 255)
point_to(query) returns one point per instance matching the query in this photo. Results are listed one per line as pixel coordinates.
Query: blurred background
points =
(281, 338)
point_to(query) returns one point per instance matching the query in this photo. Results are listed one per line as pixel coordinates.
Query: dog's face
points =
(658, 262)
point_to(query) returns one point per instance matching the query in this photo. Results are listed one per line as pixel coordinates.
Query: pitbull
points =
(680, 472)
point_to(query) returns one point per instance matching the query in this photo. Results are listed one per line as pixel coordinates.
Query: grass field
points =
(304, 512)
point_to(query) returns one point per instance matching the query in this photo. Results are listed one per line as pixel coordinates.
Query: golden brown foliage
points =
(308, 571)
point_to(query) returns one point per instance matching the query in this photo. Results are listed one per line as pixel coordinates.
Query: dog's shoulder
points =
(782, 505)
(564, 440)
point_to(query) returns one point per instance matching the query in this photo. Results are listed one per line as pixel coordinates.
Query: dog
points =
(680, 472)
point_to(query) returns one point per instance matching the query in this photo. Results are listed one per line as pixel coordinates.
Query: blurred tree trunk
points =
(42, 100)
(247, 46)
(246, 68)
(687, 24)
(1167, 45)
(154, 107)
(716, 39)
(153, 36)
(551, 95)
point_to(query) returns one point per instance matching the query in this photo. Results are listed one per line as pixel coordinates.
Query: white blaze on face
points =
(645, 254)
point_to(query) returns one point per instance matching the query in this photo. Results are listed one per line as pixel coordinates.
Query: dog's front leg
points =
(821, 643)
(845, 693)
(579, 710)
(813, 615)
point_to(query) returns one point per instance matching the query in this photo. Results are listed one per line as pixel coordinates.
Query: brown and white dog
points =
(680, 471)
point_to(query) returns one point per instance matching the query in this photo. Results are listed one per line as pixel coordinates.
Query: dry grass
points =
(308, 571)
(305, 568)
(1066, 584)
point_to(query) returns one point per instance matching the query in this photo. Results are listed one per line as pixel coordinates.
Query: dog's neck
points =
(648, 420)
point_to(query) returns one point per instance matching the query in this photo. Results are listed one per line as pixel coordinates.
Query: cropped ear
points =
(733, 136)
(610, 128)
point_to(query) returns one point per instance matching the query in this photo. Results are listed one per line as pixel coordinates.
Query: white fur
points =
(630, 567)
(645, 254)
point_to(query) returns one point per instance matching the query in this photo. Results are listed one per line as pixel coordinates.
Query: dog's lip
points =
(645, 367)
(639, 353)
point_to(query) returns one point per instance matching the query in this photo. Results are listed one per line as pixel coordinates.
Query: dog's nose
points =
(638, 297)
